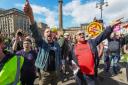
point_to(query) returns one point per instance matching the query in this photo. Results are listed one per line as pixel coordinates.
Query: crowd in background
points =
(55, 56)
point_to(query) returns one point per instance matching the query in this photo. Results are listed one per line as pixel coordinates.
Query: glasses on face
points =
(26, 43)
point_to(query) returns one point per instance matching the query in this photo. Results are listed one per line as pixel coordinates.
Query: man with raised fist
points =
(49, 57)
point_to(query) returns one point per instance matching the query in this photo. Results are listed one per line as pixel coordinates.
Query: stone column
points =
(60, 15)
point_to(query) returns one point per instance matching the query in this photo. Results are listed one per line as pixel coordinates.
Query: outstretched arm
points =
(106, 33)
(35, 33)
(28, 11)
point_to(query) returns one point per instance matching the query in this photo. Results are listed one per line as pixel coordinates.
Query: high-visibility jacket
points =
(9, 70)
(124, 58)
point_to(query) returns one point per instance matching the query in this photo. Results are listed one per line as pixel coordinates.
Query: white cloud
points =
(83, 13)
(49, 15)
(19, 5)
(39, 19)
(117, 8)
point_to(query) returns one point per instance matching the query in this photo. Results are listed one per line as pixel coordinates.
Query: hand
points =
(116, 22)
(18, 35)
(17, 39)
(75, 69)
(28, 11)
(125, 25)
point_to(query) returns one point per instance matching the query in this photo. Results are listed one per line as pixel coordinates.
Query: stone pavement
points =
(104, 79)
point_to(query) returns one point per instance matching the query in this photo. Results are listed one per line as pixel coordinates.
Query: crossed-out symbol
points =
(94, 29)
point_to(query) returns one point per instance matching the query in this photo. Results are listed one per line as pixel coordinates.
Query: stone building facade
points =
(13, 19)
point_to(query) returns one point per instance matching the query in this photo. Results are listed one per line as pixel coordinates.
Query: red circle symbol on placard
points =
(94, 29)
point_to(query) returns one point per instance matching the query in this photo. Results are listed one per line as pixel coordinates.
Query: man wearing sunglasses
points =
(86, 55)
(85, 51)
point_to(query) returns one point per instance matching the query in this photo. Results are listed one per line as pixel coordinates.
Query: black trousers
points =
(80, 79)
(127, 71)
(27, 79)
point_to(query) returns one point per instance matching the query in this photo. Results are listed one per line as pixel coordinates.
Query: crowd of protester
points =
(52, 57)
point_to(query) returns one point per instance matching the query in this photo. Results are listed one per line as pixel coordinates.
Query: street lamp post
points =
(100, 5)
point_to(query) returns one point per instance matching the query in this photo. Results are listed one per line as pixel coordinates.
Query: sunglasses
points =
(26, 43)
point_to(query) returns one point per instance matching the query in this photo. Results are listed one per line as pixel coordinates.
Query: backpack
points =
(113, 46)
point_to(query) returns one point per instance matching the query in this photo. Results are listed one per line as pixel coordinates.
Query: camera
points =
(19, 34)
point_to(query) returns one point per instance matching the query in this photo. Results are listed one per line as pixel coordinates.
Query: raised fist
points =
(28, 11)
(116, 22)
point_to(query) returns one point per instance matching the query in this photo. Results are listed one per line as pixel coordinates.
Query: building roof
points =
(72, 28)
(11, 11)
(1, 10)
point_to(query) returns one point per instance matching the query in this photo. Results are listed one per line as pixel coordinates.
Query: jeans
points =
(28, 81)
(90, 80)
(113, 61)
(80, 79)
(107, 63)
(83, 79)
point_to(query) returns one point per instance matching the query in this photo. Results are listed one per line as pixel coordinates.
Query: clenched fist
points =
(116, 22)
(28, 11)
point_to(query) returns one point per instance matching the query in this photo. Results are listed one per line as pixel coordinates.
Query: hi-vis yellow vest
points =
(9, 70)
(124, 58)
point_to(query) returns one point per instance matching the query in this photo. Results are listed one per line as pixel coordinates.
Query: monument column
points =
(60, 15)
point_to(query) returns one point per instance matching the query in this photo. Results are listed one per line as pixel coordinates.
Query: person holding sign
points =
(86, 56)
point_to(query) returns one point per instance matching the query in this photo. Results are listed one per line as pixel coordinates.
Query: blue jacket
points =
(43, 53)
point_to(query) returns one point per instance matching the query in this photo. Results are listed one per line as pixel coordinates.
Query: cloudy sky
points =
(75, 12)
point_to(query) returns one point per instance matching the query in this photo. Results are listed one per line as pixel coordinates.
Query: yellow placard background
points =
(94, 29)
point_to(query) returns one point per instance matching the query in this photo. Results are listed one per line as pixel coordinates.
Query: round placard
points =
(94, 29)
